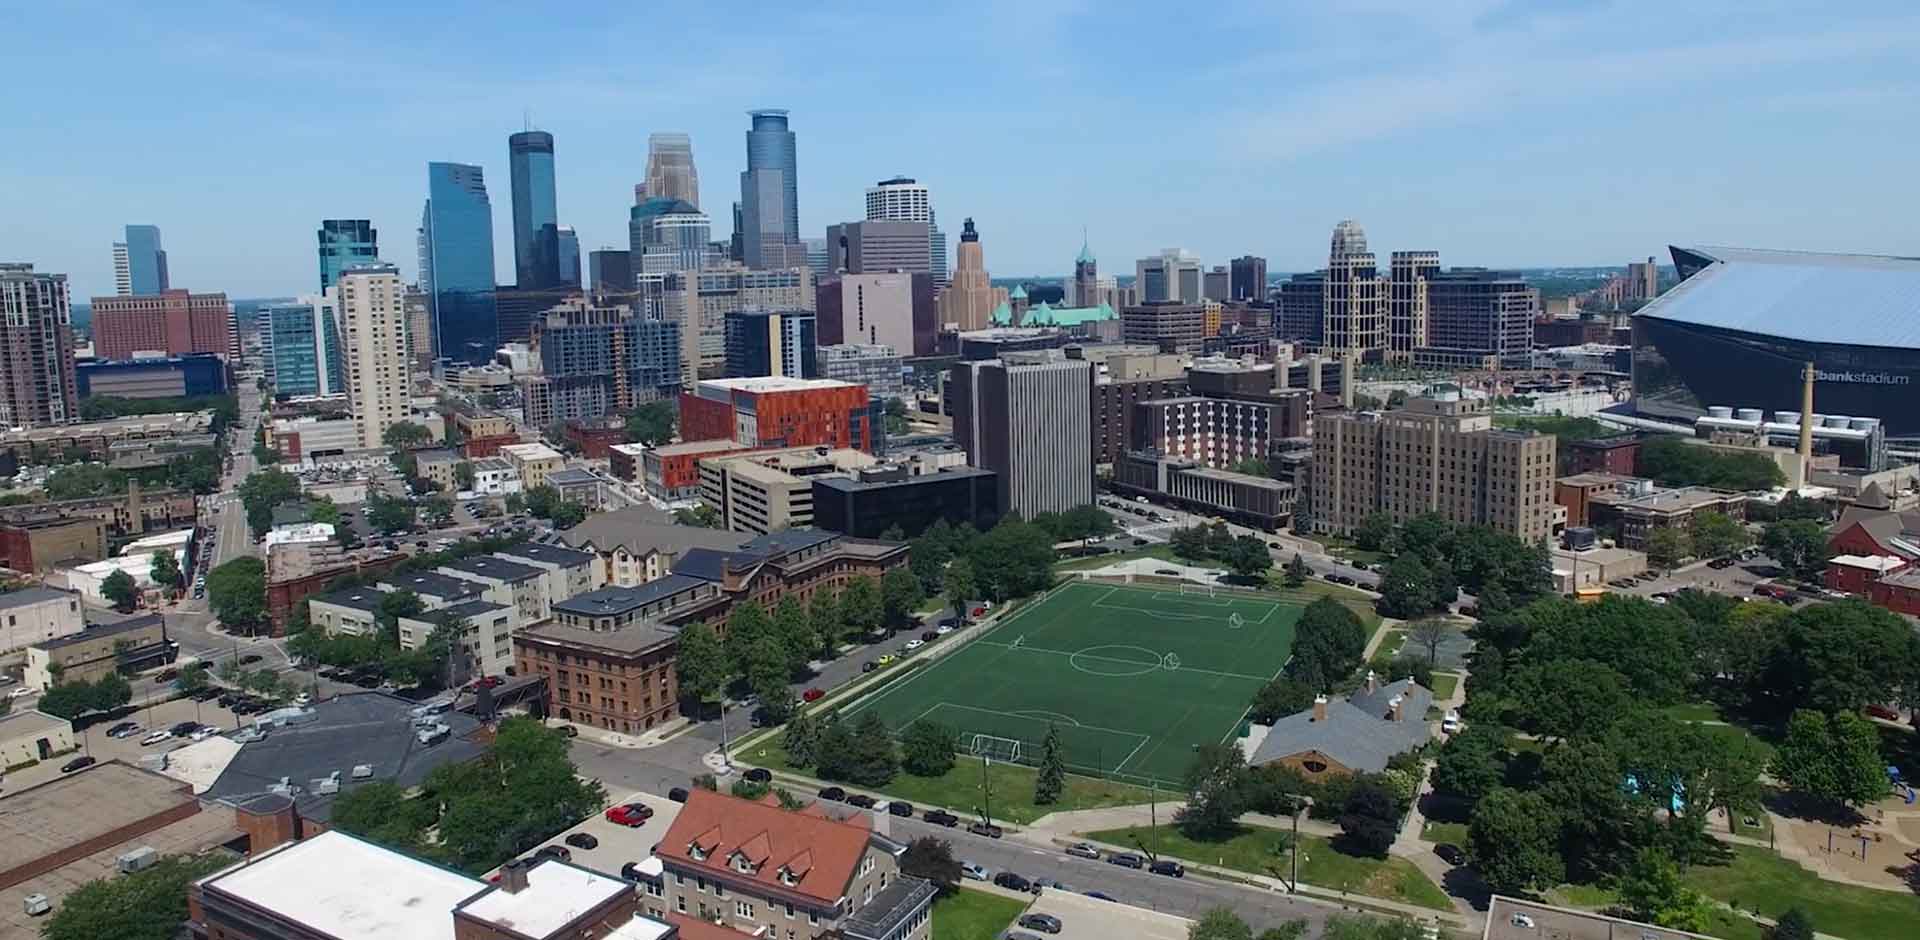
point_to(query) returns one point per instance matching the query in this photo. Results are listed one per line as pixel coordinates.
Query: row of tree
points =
(1246, 556)
(1675, 461)
(1434, 560)
(70, 699)
(1220, 788)
(1012, 559)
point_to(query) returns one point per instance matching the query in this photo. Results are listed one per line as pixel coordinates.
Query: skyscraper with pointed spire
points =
(1086, 276)
(670, 170)
(969, 300)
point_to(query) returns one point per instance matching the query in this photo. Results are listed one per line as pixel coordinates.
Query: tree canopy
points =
(1676, 461)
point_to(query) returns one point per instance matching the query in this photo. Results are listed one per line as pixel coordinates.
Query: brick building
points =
(1616, 454)
(775, 411)
(35, 546)
(672, 471)
(174, 322)
(607, 666)
(596, 438)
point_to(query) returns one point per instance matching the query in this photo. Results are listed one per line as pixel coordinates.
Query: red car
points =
(811, 695)
(1883, 712)
(486, 682)
(630, 814)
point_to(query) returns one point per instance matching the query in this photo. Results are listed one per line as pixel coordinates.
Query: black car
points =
(677, 794)
(869, 666)
(251, 658)
(861, 800)
(166, 675)
(759, 775)
(555, 852)
(227, 699)
(989, 830)
(1045, 923)
(78, 763)
(1126, 860)
(1168, 867)
(1450, 853)
(184, 728)
(1007, 879)
(900, 808)
(941, 817)
(583, 840)
(929, 636)
(835, 794)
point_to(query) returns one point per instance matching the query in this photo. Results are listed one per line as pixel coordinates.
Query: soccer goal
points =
(996, 748)
(1206, 589)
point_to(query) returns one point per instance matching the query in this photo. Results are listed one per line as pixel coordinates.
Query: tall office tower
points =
(1028, 418)
(568, 245)
(874, 246)
(1643, 280)
(769, 195)
(771, 342)
(1217, 284)
(600, 359)
(536, 223)
(610, 270)
(902, 200)
(139, 263)
(1172, 275)
(970, 298)
(305, 341)
(1086, 277)
(1475, 315)
(666, 235)
(1438, 454)
(36, 349)
(170, 323)
(1303, 309)
(701, 300)
(819, 258)
(419, 306)
(1354, 310)
(670, 172)
(456, 262)
(1408, 273)
(373, 318)
(1249, 279)
(343, 244)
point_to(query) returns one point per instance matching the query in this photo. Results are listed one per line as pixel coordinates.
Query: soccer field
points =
(1133, 677)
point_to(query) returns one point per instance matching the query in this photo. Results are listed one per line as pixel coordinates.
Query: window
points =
(789, 913)
(813, 918)
(743, 909)
(680, 903)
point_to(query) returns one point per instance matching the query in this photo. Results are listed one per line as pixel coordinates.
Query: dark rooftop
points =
(359, 598)
(430, 582)
(626, 641)
(852, 485)
(468, 609)
(540, 551)
(791, 540)
(610, 601)
(572, 476)
(95, 631)
(489, 567)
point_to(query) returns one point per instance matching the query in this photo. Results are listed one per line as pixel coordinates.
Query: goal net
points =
(1206, 589)
(996, 748)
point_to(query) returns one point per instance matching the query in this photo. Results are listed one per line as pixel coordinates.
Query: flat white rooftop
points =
(340, 886)
(641, 927)
(555, 894)
(773, 383)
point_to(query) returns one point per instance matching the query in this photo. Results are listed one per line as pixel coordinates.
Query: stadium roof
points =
(1858, 300)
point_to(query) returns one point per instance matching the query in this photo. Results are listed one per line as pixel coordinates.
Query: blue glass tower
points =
(456, 263)
(569, 256)
(343, 244)
(306, 348)
(146, 260)
(536, 224)
(769, 194)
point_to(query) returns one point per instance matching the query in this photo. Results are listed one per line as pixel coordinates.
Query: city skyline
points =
(1518, 138)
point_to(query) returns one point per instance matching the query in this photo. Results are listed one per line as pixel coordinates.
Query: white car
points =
(156, 738)
(21, 692)
(303, 699)
(201, 734)
(1520, 920)
(973, 870)
(915, 644)
(1451, 723)
(943, 629)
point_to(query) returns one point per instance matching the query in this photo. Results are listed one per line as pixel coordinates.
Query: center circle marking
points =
(1089, 662)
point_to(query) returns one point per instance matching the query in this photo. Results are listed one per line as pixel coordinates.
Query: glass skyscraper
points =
(306, 347)
(536, 223)
(146, 260)
(456, 262)
(769, 195)
(343, 244)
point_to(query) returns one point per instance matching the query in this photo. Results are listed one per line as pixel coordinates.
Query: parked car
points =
(1168, 867)
(915, 644)
(1083, 850)
(677, 794)
(184, 728)
(251, 658)
(869, 666)
(1450, 853)
(941, 817)
(1127, 860)
(929, 636)
(989, 830)
(583, 840)
(888, 658)
(635, 814)
(1520, 919)
(812, 695)
(834, 794)
(78, 763)
(759, 775)
(973, 870)
(166, 675)
(1883, 712)
(630, 871)
(861, 800)
(900, 808)
(1042, 922)
(555, 852)
(203, 733)
(156, 738)
(123, 730)
(1012, 882)
(943, 629)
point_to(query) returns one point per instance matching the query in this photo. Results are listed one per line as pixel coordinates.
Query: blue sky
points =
(1499, 133)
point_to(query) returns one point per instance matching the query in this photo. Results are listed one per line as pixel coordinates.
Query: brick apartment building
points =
(174, 322)
(773, 411)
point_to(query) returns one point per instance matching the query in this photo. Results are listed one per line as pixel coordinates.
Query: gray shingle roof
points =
(497, 568)
(363, 599)
(645, 530)
(1357, 731)
(33, 595)
(607, 602)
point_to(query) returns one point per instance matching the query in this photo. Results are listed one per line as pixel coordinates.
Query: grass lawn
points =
(1345, 549)
(1759, 879)
(1443, 685)
(1694, 711)
(959, 790)
(1258, 849)
(1160, 550)
(1437, 832)
(972, 915)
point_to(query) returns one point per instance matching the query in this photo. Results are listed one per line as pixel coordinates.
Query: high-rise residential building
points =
(304, 337)
(1438, 454)
(1173, 275)
(1354, 303)
(536, 222)
(600, 359)
(876, 367)
(1086, 277)
(903, 200)
(1476, 315)
(171, 323)
(419, 307)
(771, 342)
(139, 263)
(670, 171)
(1248, 279)
(1408, 303)
(373, 318)
(970, 298)
(343, 244)
(1643, 280)
(769, 195)
(666, 235)
(894, 309)
(1217, 284)
(37, 384)
(456, 262)
(1028, 418)
(568, 242)
(864, 247)
(610, 270)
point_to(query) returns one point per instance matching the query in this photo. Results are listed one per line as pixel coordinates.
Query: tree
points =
(1799, 545)
(651, 424)
(1668, 547)
(389, 514)
(149, 904)
(1215, 785)
(795, 630)
(568, 514)
(932, 859)
(1430, 634)
(1651, 891)
(823, 617)
(1569, 698)
(1717, 535)
(323, 511)
(1677, 461)
(862, 754)
(958, 585)
(1370, 820)
(1513, 841)
(541, 500)
(1279, 698)
(1252, 466)
(900, 596)
(1472, 763)
(926, 749)
(517, 503)
(463, 475)
(1832, 758)
(1013, 559)
(237, 592)
(1328, 643)
(393, 606)
(860, 606)
(120, 588)
(766, 672)
(192, 678)
(1219, 924)
(1374, 533)
(1792, 925)
(1247, 557)
(1297, 571)
(84, 480)
(404, 435)
(700, 515)
(1836, 657)
(746, 623)
(165, 570)
(801, 739)
(1408, 589)
(1052, 776)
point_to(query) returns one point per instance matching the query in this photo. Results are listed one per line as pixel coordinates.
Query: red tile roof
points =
(693, 928)
(822, 854)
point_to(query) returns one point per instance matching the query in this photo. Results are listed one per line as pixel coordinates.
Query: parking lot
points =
(94, 742)
(620, 844)
(1085, 918)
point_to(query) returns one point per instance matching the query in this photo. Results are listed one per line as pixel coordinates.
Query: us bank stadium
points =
(1742, 323)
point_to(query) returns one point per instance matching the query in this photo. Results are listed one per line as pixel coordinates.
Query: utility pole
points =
(986, 790)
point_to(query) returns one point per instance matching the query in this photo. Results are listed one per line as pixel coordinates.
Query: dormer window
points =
(695, 852)
(788, 878)
(742, 863)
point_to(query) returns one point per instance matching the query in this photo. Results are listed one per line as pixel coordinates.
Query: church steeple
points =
(1086, 279)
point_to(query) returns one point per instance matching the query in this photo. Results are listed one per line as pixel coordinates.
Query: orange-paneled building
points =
(773, 411)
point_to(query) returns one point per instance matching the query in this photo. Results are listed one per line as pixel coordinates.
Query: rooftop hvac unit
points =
(137, 860)
(328, 785)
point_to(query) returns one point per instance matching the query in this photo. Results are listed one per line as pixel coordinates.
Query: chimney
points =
(1319, 708)
(513, 876)
(1373, 682)
(1393, 708)
(1806, 415)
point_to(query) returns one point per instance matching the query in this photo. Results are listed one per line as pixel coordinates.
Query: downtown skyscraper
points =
(343, 244)
(903, 200)
(456, 262)
(769, 222)
(536, 222)
(37, 383)
(670, 170)
(139, 263)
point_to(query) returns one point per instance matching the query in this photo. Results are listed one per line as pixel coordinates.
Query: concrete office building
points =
(374, 349)
(772, 490)
(1028, 419)
(893, 309)
(1166, 325)
(874, 500)
(1172, 276)
(172, 323)
(879, 245)
(970, 298)
(344, 243)
(771, 342)
(1354, 310)
(1302, 309)
(1438, 454)
(1248, 279)
(877, 367)
(139, 263)
(1409, 277)
(903, 200)
(37, 381)
(1474, 313)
